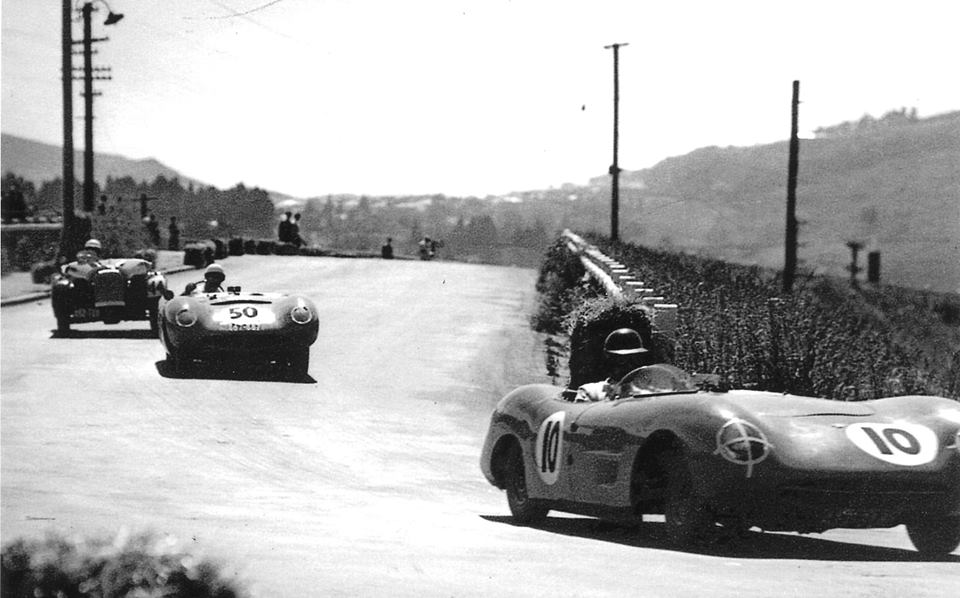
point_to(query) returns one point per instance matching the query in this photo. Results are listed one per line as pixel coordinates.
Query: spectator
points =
(153, 229)
(283, 229)
(295, 230)
(173, 243)
(386, 252)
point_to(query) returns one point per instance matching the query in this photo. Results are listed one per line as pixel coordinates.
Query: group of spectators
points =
(288, 231)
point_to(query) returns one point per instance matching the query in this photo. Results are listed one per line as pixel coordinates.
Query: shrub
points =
(250, 246)
(235, 246)
(142, 565)
(29, 250)
(266, 247)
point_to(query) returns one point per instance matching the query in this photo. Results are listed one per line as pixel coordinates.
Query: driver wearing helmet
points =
(87, 262)
(213, 278)
(623, 352)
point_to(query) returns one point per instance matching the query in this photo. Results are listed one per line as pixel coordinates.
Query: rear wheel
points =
(935, 536)
(688, 519)
(153, 315)
(523, 508)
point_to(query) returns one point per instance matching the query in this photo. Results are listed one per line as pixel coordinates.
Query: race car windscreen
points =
(656, 379)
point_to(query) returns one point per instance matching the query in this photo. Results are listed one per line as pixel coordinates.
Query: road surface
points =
(363, 480)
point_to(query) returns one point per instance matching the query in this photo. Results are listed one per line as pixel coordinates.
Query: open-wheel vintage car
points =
(663, 442)
(108, 291)
(235, 328)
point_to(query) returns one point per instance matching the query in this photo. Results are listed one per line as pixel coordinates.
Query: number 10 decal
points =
(548, 451)
(899, 443)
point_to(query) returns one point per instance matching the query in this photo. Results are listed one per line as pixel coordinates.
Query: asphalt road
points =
(364, 480)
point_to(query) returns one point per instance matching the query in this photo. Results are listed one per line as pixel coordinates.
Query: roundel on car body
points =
(898, 443)
(548, 451)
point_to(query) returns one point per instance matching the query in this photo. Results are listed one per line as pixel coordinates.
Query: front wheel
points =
(524, 509)
(63, 325)
(935, 536)
(300, 363)
(687, 517)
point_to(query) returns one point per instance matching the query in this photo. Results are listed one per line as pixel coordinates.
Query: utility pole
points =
(615, 168)
(88, 94)
(69, 238)
(790, 254)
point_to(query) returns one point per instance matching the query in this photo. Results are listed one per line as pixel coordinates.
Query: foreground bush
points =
(142, 566)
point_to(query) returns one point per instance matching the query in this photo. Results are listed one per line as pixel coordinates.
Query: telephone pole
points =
(790, 253)
(69, 236)
(615, 168)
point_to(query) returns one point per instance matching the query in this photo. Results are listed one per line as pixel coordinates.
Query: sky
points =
(466, 97)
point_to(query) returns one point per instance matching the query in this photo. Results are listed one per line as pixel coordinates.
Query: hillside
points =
(894, 188)
(39, 162)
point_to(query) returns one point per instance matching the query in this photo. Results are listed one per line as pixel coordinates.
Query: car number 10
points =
(899, 443)
(548, 451)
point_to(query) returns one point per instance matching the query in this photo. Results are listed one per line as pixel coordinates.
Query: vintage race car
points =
(111, 291)
(235, 326)
(664, 443)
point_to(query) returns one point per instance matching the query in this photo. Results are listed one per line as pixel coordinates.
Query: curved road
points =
(364, 480)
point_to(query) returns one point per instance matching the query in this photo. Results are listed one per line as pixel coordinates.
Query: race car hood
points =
(228, 298)
(772, 404)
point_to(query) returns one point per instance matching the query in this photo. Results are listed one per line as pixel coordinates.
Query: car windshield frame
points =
(657, 379)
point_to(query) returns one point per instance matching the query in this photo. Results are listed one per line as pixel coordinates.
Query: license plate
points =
(86, 313)
(235, 326)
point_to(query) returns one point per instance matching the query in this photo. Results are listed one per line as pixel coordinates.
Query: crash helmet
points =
(623, 341)
(215, 271)
(93, 244)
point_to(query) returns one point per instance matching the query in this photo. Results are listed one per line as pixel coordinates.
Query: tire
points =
(525, 510)
(63, 325)
(935, 536)
(687, 517)
(153, 315)
(300, 364)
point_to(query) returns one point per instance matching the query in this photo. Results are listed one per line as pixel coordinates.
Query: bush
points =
(198, 253)
(250, 246)
(30, 250)
(142, 565)
(266, 247)
(235, 246)
(559, 287)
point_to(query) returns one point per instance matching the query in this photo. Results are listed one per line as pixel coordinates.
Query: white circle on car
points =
(548, 452)
(897, 443)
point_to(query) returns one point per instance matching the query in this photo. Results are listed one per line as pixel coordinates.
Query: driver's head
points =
(93, 246)
(624, 351)
(213, 276)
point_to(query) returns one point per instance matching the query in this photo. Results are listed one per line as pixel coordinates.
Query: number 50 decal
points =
(900, 443)
(548, 451)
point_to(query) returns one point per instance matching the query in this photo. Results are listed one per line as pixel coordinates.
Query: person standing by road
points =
(386, 252)
(283, 229)
(173, 241)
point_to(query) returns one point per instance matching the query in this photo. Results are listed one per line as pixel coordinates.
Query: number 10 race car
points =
(661, 444)
(234, 326)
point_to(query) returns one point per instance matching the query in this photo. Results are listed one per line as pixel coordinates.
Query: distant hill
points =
(38, 162)
(893, 185)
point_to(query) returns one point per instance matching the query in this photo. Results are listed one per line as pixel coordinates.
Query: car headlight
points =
(301, 314)
(186, 317)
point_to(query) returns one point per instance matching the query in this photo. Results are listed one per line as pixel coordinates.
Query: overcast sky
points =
(310, 97)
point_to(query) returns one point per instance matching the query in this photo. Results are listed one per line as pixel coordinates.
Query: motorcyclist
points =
(623, 352)
(213, 278)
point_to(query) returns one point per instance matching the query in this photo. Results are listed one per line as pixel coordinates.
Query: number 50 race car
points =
(661, 444)
(236, 326)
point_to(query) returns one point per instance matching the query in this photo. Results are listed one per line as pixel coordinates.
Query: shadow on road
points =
(752, 545)
(241, 372)
(122, 333)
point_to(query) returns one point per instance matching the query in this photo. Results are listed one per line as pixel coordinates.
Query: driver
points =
(87, 262)
(213, 278)
(623, 352)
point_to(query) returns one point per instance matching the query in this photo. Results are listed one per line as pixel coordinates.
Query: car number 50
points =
(900, 443)
(248, 311)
